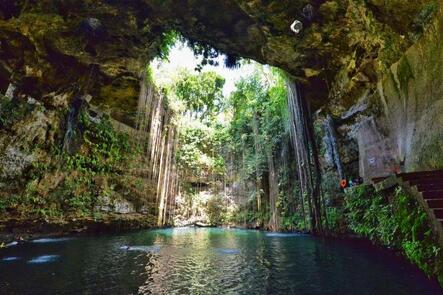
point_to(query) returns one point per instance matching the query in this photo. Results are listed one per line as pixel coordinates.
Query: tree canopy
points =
(202, 93)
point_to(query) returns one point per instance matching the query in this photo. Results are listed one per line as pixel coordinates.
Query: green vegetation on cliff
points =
(397, 221)
(54, 184)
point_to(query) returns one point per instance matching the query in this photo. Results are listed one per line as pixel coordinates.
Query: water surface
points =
(206, 261)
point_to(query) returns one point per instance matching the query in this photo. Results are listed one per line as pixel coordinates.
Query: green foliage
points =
(75, 192)
(77, 195)
(333, 196)
(293, 222)
(367, 213)
(149, 74)
(201, 93)
(9, 202)
(255, 133)
(291, 219)
(259, 106)
(430, 155)
(198, 151)
(106, 149)
(209, 55)
(241, 216)
(238, 134)
(168, 41)
(201, 135)
(424, 17)
(216, 210)
(12, 110)
(335, 219)
(400, 224)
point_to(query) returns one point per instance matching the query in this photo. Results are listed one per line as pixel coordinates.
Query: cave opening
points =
(233, 118)
(293, 118)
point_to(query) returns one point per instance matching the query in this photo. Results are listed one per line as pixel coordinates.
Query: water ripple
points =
(11, 258)
(207, 261)
(147, 249)
(43, 259)
(51, 240)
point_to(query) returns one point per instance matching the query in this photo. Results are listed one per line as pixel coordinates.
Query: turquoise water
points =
(206, 261)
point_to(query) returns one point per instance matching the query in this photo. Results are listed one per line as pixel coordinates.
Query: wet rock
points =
(57, 44)
(10, 92)
(14, 162)
(9, 9)
(74, 132)
(35, 129)
(123, 207)
(120, 206)
(93, 29)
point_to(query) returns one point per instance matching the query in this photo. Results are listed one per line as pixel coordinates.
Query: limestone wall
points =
(407, 134)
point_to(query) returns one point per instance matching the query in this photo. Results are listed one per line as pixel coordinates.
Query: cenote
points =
(152, 136)
(206, 261)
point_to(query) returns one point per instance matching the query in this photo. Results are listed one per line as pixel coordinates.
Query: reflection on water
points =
(283, 235)
(11, 258)
(44, 259)
(206, 261)
(51, 240)
(147, 249)
(228, 251)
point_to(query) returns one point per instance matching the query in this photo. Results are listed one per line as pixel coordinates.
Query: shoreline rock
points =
(22, 230)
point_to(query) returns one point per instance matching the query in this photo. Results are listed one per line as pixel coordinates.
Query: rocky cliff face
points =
(366, 63)
(70, 166)
(396, 121)
(101, 46)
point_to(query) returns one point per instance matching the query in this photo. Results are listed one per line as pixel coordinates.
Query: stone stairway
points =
(426, 187)
(430, 185)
